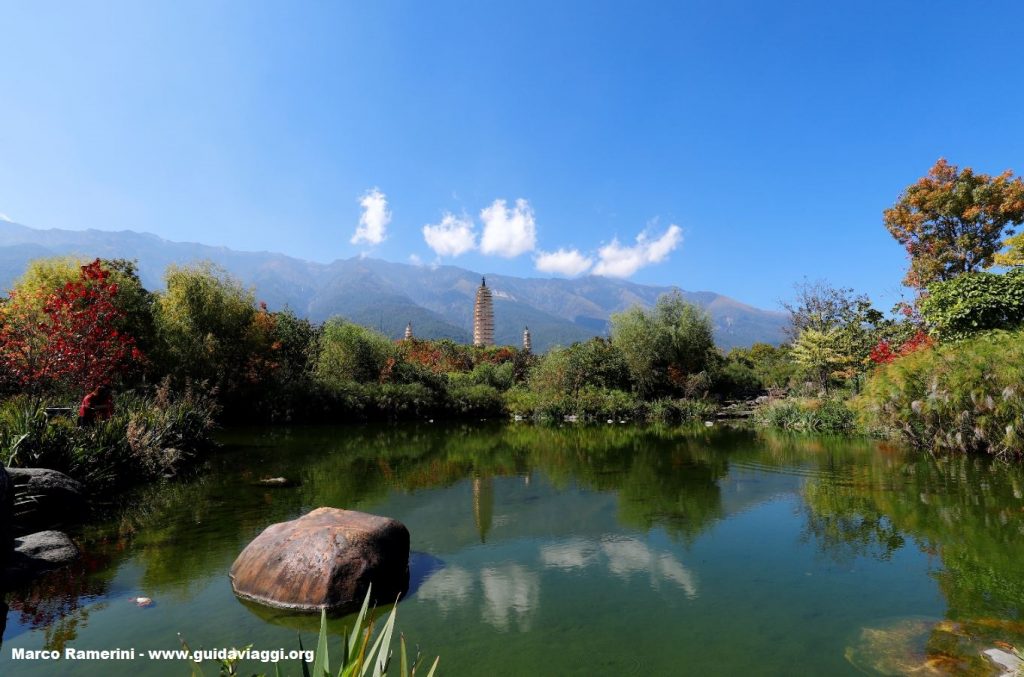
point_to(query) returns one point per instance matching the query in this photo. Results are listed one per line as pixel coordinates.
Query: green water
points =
(603, 550)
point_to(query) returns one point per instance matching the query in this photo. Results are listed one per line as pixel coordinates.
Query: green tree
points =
(350, 353)
(853, 324)
(666, 346)
(597, 363)
(820, 306)
(821, 356)
(974, 302)
(953, 221)
(758, 367)
(205, 326)
(1014, 254)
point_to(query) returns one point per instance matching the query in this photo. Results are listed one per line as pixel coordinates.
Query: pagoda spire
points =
(483, 316)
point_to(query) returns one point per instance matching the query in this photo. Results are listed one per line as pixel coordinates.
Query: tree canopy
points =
(953, 221)
(976, 302)
(665, 347)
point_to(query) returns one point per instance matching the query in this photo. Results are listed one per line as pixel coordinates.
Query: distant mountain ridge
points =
(438, 300)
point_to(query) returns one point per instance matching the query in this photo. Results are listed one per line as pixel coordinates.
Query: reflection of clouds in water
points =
(449, 587)
(625, 557)
(510, 591)
(572, 554)
(674, 571)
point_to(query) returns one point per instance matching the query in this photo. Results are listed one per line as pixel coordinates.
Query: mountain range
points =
(438, 300)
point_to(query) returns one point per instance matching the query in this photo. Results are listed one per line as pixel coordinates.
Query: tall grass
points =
(149, 435)
(966, 396)
(594, 404)
(364, 651)
(807, 415)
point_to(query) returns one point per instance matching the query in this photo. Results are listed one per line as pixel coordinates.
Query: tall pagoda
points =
(483, 316)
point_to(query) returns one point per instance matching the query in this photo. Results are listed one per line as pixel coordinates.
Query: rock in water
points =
(276, 482)
(39, 552)
(45, 499)
(326, 559)
(6, 516)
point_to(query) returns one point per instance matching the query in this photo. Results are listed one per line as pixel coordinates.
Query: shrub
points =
(500, 376)
(148, 436)
(828, 415)
(521, 401)
(965, 396)
(594, 404)
(975, 302)
(735, 378)
(393, 401)
(26, 436)
(476, 400)
(349, 352)
(679, 411)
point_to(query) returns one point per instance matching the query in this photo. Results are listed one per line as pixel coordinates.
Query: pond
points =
(576, 550)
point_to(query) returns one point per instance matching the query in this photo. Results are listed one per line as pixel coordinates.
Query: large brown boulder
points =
(326, 559)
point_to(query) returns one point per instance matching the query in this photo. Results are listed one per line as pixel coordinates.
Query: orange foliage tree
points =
(953, 221)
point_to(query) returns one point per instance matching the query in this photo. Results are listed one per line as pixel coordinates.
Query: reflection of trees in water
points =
(61, 601)
(182, 534)
(849, 526)
(966, 510)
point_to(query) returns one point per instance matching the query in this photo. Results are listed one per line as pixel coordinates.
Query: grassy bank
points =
(149, 436)
(963, 396)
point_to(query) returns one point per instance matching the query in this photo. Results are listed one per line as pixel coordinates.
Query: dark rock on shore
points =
(39, 552)
(45, 499)
(6, 516)
(326, 559)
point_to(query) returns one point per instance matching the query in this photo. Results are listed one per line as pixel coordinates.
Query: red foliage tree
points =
(72, 343)
(883, 352)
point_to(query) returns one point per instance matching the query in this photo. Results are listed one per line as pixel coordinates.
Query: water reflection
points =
(511, 594)
(520, 525)
(624, 557)
(449, 588)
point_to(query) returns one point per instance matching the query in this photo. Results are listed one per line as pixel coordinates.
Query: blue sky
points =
(747, 144)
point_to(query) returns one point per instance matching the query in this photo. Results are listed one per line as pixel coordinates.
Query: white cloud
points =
(4, 217)
(415, 260)
(375, 218)
(454, 236)
(569, 262)
(617, 260)
(508, 232)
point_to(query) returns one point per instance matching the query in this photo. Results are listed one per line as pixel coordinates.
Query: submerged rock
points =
(326, 559)
(921, 646)
(45, 499)
(279, 482)
(39, 552)
(1008, 662)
